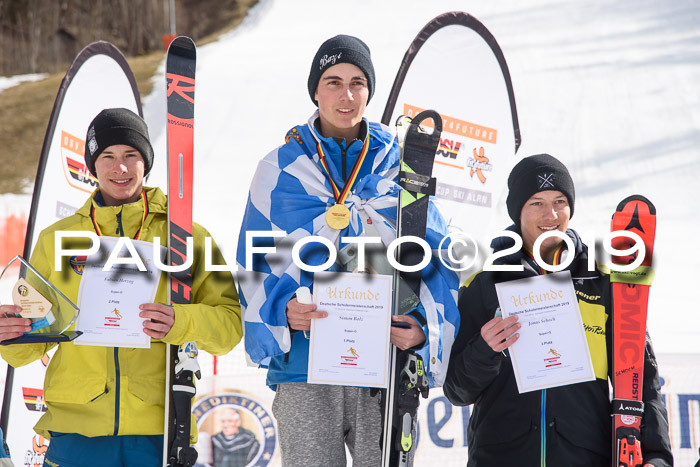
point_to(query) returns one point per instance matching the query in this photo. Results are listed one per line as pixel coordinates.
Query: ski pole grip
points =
(304, 297)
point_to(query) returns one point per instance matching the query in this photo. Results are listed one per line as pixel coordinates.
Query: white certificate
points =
(109, 300)
(350, 347)
(552, 349)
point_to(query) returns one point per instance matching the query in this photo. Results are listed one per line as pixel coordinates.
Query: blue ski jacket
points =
(290, 192)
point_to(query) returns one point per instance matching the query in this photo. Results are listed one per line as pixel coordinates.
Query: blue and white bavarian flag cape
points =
(291, 193)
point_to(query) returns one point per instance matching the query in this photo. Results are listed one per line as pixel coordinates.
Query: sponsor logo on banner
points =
(64, 210)
(449, 148)
(73, 161)
(463, 195)
(222, 417)
(34, 457)
(451, 154)
(478, 164)
(34, 399)
(457, 127)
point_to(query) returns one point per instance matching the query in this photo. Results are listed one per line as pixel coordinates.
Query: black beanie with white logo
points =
(533, 174)
(117, 126)
(341, 49)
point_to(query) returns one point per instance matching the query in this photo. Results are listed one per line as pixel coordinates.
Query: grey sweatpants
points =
(316, 422)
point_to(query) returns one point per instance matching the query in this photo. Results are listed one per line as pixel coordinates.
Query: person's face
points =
(342, 95)
(230, 421)
(120, 169)
(543, 212)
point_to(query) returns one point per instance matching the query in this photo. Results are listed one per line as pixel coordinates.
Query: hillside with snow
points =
(610, 88)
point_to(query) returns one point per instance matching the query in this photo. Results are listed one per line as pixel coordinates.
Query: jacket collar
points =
(578, 267)
(335, 145)
(125, 219)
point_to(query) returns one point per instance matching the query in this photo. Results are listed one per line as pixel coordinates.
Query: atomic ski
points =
(408, 380)
(630, 291)
(181, 363)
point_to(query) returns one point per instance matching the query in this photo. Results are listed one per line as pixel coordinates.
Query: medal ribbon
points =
(557, 257)
(341, 197)
(145, 213)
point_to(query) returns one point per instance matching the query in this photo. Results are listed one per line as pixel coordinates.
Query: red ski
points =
(180, 362)
(630, 291)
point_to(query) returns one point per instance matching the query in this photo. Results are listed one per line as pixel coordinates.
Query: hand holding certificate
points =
(110, 300)
(350, 347)
(552, 349)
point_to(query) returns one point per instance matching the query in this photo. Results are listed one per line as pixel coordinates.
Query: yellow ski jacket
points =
(100, 391)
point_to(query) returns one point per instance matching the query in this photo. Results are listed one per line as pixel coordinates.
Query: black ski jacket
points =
(564, 426)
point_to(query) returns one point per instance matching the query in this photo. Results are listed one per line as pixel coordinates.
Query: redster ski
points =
(181, 362)
(630, 292)
(408, 379)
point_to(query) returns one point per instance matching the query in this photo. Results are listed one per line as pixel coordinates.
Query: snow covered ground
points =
(7, 82)
(610, 88)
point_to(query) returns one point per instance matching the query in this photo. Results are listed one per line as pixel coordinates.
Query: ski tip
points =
(426, 115)
(182, 45)
(641, 199)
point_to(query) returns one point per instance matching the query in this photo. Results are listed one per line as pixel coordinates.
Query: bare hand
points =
(11, 326)
(159, 319)
(406, 338)
(500, 333)
(299, 315)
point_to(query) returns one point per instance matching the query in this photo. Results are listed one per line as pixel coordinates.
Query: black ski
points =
(408, 380)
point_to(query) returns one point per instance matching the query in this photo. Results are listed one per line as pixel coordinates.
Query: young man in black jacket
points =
(560, 426)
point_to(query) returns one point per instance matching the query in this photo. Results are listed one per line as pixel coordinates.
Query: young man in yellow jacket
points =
(106, 404)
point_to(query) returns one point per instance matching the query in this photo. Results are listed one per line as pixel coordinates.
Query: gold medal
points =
(338, 217)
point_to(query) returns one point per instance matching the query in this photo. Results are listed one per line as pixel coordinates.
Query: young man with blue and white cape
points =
(337, 161)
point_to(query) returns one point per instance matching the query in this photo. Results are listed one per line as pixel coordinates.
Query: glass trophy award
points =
(51, 312)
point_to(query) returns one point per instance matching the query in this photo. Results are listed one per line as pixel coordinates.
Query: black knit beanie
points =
(117, 126)
(341, 49)
(534, 174)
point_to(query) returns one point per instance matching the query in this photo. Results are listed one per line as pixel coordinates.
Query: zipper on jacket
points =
(120, 227)
(117, 391)
(543, 430)
(344, 163)
(117, 395)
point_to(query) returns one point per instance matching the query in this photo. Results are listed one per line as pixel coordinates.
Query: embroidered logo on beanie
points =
(326, 60)
(341, 49)
(546, 181)
(533, 174)
(117, 126)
